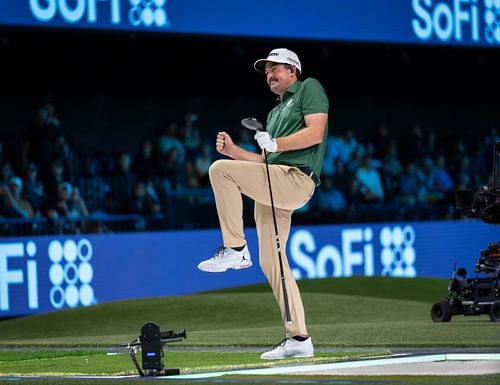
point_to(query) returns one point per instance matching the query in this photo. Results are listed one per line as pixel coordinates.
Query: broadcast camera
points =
(484, 203)
(151, 342)
(481, 294)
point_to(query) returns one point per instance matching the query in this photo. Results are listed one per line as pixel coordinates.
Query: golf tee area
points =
(365, 330)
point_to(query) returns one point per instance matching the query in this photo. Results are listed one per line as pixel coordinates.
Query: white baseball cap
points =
(279, 55)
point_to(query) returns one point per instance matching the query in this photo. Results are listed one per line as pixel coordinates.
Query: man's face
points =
(279, 77)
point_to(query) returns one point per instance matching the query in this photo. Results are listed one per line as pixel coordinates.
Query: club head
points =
(253, 124)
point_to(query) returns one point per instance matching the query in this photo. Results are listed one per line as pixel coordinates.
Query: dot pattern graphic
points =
(398, 252)
(71, 273)
(148, 13)
(492, 20)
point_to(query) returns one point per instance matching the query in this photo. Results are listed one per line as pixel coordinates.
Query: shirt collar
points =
(290, 90)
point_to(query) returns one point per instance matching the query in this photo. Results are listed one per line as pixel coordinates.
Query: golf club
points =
(255, 125)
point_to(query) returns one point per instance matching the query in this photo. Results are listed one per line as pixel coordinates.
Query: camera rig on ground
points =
(151, 342)
(481, 294)
(473, 296)
(483, 203)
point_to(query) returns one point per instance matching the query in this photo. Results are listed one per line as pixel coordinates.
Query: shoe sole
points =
(284, 358)
(240, 267)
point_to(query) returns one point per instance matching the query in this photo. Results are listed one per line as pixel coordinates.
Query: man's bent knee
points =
(217, 167)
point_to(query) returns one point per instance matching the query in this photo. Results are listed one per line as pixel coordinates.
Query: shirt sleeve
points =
(315, 99)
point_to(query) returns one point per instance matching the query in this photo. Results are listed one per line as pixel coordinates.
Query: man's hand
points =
(265, 141)
(224, 144)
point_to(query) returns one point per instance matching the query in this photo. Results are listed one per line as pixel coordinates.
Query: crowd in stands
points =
(412, 177)
(386, 172)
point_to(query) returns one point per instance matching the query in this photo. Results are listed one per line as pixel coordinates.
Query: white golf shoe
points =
(227, 258)
(290, 348)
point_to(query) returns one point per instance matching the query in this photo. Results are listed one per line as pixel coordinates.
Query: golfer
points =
(295, 139)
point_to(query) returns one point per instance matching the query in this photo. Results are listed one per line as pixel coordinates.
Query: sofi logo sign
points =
(138, 13)
(56, 276)
(457, 20)
(390, 252)
(27, 275)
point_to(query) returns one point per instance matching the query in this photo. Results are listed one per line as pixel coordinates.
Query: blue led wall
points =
(444, 22)
(41, 274)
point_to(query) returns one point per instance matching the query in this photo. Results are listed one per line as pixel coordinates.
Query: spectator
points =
(190, 135)
(429, 193)
(370, 184)
(170, 166)
(381, 141)
(458, 160)
(40, 139)
(5, 173)
(441, 178)
(332, 153)
(410, 185)
(34, 189)
(65, 154)
(13, 204)
(191, 177)
(414, 144)
(145, 164)
(67, 207)
(347, 143)
(68, 204)
(246, 141)
(121, 184)
(168, 141)
(463, 182)
(54, 178)
(329, 197)
(203, 162)
(144, 200)
(342, 180)
(391, 170)
(93, 187)
(369, 150)
(356, 158)
(478, 160)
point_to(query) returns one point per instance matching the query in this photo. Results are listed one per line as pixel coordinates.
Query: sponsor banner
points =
(39, 274)
(449, 22)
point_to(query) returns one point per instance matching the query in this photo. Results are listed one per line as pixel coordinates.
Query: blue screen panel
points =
(41, 274)
(445, 22)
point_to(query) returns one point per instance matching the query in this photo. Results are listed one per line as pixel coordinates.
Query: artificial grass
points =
(489, 379)
(75, 363)
(419, 289)
(347, 312)
(341, 312)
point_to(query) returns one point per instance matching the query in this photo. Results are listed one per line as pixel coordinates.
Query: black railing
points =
(182, 209)
(84, 225)
(195, 209)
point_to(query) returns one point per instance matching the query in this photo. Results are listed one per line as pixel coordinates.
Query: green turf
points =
(346, 312)
(491, 379)
(390, 380)
(420, 289)
(58, 363)
(26, 355)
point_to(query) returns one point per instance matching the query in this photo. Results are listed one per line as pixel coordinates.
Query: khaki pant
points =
(291, 190)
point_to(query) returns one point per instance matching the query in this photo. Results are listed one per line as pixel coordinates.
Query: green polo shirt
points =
(300, 99)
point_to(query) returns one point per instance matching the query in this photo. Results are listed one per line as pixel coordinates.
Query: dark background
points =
(112, 89)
